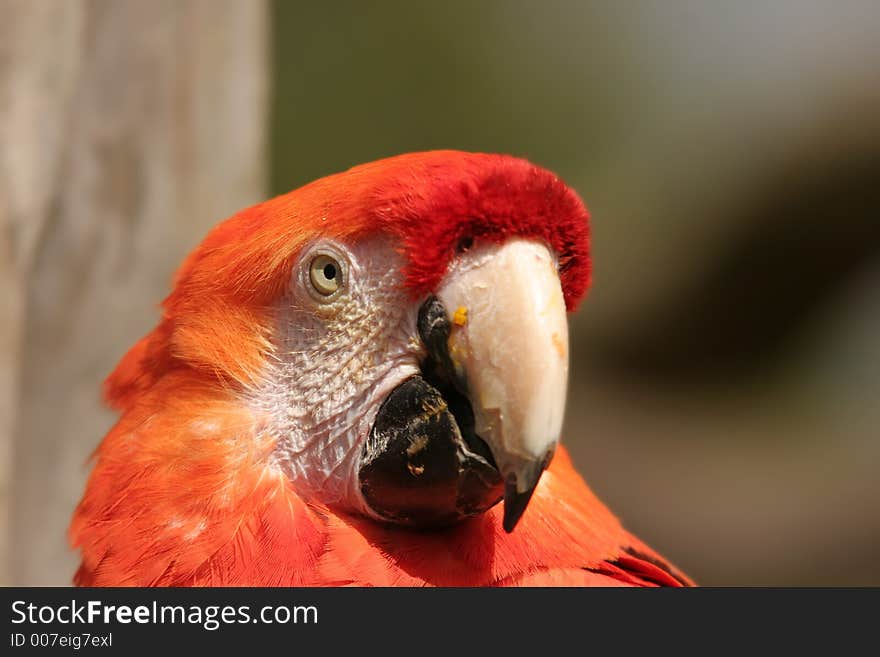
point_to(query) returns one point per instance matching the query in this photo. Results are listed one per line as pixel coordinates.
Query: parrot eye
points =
(325, 274)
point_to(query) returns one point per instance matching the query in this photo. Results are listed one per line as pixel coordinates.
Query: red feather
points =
(185, 491)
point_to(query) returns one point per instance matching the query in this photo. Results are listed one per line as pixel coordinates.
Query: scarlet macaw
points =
(345, 382)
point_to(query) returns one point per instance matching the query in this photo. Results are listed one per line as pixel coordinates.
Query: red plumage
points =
(184, 491)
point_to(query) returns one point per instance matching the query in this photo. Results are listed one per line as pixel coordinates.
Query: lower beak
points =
(509, 349)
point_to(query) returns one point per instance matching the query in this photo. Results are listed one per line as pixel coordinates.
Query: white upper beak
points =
(509, 345)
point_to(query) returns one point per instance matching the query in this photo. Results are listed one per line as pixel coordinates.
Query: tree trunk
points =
(127, 129)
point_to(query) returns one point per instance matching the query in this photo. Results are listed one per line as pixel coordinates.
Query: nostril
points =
(464, 244)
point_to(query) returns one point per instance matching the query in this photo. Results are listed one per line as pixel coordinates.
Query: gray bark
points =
(127, 129)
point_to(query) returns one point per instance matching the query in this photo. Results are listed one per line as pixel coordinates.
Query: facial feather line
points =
(332, 366)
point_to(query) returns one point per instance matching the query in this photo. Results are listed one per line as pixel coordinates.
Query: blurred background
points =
(725, 383)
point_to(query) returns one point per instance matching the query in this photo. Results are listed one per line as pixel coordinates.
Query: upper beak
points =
(509, 348)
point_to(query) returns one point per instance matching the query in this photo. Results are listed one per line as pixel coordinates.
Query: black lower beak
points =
(419, 467)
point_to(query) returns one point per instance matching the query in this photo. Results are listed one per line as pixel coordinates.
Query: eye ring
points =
(326, 274)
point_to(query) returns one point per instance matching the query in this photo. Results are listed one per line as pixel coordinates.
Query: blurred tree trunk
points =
(127, 128)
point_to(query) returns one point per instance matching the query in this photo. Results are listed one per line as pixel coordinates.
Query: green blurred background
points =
(726, 367)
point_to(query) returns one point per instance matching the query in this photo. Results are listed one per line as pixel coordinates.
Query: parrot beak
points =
(508, 348)
(481, 420)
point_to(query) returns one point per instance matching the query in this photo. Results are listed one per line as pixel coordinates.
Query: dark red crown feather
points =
(438, 200)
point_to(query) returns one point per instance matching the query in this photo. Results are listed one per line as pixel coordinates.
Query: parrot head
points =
(398, 331)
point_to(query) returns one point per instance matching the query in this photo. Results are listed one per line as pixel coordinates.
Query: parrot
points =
(362, 382)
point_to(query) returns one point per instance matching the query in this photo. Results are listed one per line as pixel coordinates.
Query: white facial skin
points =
(337, 357)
